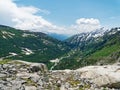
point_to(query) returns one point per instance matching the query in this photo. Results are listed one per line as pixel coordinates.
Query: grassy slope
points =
(105, 52)
(43, 46)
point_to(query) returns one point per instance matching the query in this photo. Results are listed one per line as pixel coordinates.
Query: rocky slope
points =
(21, 75)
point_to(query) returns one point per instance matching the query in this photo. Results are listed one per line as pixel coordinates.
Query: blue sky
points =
(62, 16)
(65, 12)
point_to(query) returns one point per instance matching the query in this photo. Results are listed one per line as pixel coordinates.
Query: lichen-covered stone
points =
(21, 75)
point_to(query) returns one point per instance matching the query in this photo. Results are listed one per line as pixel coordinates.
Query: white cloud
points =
(87, 21)
(26, 18)
(22, 17)
(86, 25)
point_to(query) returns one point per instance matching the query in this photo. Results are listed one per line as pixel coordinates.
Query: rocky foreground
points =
(21, 75)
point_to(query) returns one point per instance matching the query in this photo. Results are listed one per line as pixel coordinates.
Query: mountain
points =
(29, 46)
(58, 36)
(98, 47)
(85, 39)
(92, 48)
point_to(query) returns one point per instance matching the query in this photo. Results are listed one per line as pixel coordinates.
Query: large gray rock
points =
(30, 88)
(35, 67)
(102, 76)
(2, 75)
(21, 75)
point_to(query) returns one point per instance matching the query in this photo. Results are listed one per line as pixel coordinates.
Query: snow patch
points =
(7, 34)
(98, 35)
(26, 51)
(27, 35)
(4, 37)
(118, 29)
(113, 32)
(13, 54)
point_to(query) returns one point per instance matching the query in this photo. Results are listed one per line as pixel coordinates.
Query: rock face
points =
(21, 75)
(106, 76)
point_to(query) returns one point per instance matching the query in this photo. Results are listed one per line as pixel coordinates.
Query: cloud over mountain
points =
(86, 24)
(27, 18)
(21, 16)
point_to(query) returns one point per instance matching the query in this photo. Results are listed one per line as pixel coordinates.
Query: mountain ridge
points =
(29, 46)
(103, 49)
(79, 50)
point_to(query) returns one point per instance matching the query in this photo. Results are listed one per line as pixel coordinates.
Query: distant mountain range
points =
(97, 47)
(58, 36)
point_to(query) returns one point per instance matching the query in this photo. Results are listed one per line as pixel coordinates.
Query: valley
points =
(36, 61)
(100, 47)
(59, 45)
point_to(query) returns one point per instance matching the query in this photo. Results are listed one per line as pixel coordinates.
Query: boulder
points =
(38, 67)
(102, 76)
(30, 88)
(35, 67)
(2, 75)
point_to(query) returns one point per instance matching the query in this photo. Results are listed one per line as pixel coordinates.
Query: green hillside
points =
(104, 50)
(77, 51)
(109, 53)
(29, 46)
